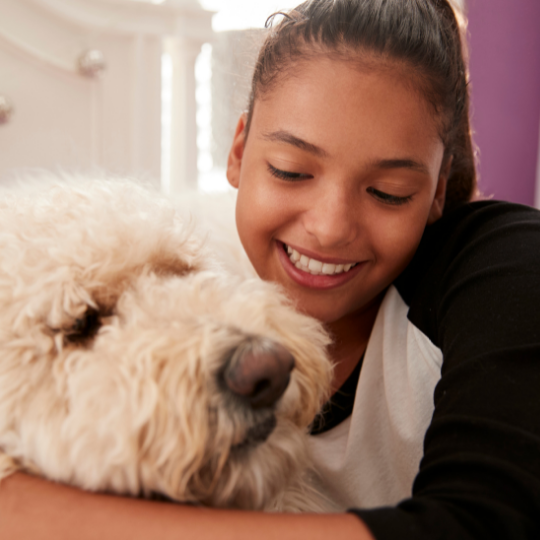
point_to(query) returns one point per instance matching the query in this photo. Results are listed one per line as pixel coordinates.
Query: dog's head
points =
(130, 363)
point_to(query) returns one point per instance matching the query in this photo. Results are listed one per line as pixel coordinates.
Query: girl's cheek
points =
(397, 237)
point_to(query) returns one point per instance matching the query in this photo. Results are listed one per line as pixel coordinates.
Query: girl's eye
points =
(387, 198)
(286, 175)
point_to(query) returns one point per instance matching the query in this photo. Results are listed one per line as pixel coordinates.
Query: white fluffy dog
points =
(131, 362)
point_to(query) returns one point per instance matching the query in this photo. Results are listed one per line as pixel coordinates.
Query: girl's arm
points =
(35, 509)
(474, 292)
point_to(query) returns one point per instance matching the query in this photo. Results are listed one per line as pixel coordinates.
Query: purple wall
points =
(505, 75)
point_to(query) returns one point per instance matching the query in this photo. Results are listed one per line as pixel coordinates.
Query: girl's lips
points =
(309, 280)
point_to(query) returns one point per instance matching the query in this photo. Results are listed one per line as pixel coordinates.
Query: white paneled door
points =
(80, 83)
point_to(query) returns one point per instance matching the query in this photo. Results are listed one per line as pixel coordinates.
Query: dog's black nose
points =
(259, 372)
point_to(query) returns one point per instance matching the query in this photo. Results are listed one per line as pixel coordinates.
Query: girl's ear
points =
(437, 207)
(234, 163)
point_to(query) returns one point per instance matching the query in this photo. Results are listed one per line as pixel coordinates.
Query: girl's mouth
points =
(313, 266)
(312, 273)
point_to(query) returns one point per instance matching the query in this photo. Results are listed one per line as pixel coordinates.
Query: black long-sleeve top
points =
(441, 439)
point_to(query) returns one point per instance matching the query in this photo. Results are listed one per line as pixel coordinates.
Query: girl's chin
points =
(325, 310)
(321, 303)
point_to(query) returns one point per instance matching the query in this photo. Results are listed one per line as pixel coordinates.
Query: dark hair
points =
(423, 34)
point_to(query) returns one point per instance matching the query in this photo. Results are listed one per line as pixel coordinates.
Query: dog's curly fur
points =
(115, 326)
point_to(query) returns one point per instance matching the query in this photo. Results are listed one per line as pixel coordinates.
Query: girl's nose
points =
(332, 219)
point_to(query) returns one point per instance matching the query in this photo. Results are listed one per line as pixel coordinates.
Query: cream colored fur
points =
(138, 409)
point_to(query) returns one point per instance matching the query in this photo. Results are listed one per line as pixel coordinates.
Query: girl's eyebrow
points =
(406, 163)
(288, 138)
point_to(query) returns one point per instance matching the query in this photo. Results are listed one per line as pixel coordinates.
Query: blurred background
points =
(154, 88)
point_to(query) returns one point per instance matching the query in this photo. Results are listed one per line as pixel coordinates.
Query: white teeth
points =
(328, 268)
(315, 267)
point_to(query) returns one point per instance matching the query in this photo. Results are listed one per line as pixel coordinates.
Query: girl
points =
(354, 167)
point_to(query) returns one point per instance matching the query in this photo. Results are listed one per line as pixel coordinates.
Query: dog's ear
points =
(234, 163)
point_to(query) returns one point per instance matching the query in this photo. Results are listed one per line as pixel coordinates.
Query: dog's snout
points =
(259, 373)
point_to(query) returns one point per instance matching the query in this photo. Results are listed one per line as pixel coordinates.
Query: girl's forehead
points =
(319, 65)
(339, 104)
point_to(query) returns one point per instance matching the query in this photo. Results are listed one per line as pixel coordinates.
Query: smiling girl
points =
(354, 169)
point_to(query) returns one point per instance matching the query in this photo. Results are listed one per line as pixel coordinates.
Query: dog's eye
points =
(84, 328)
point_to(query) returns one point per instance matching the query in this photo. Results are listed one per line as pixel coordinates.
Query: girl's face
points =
(339, 176)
